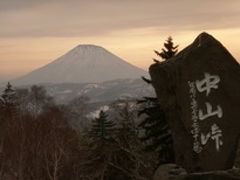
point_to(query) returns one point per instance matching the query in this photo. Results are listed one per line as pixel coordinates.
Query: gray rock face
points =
(169, 172)
(173, 172)
(221, 175)
(200, 90)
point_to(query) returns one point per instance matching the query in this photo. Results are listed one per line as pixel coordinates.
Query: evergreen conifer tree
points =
(168, 51)
(8, 95)
(8, 100)
(102, 128)
(114, 152)
(157, 136)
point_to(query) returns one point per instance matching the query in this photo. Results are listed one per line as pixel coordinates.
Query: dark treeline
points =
(42, 140)
(38, 141)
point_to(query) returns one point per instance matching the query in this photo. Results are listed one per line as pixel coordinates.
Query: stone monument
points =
(200, 91)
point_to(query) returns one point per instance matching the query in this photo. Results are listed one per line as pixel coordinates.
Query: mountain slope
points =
(83, 64)
(101, 92)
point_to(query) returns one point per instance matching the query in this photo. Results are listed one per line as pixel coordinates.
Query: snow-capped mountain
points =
(83, 64)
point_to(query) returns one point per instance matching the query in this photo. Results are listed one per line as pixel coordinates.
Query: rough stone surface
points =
(200, 90)
(169, 171)
(173, 172)
(222, 175)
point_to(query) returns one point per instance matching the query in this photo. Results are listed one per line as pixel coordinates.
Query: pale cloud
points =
(35, 32)
(72, 18)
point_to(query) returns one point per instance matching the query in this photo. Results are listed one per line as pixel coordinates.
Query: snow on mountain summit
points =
(83, 64)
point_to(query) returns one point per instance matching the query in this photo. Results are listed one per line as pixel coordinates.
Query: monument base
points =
(173, 172)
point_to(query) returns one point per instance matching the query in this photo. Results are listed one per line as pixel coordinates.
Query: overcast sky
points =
(35, 32)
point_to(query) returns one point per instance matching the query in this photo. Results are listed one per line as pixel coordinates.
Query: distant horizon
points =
(9, 80)
(23, 74)
(34, 33)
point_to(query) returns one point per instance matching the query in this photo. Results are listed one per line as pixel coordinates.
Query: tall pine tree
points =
(114, 151)
(102, 128)
(8, 101)
(168, 51)
(8, 96)
(157, 136)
